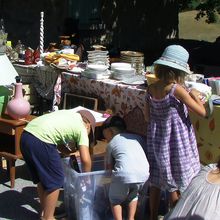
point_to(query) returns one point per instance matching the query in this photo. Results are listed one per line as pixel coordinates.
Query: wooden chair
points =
(71, 100)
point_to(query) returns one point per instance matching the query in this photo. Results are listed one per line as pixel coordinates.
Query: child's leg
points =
(48, 202)
(154, 202)
(174, 197)
(117, 212)
(40, 192)
(132, 207)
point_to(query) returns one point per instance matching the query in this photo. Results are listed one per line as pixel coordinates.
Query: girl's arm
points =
(191, 100)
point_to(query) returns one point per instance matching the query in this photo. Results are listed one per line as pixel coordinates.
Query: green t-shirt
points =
(59, 127)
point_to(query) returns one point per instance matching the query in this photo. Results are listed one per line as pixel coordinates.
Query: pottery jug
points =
(18, 107)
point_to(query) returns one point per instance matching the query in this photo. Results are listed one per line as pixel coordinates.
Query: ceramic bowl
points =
(97, 67)
(120, 65)
(122, 70)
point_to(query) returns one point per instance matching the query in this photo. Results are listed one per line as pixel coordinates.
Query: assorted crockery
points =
(136, 59)
(122, 71)
(120, 65)
(98, 57)
(96, 71)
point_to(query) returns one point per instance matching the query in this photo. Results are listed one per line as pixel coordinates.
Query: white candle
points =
(41, 32)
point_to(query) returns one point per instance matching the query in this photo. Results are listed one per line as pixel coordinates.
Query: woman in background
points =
(201, 200)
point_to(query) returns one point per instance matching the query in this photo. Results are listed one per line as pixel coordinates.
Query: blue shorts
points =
(43, 161)
(124, 192)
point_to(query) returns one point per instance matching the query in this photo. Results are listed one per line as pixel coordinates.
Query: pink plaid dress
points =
(171, 144)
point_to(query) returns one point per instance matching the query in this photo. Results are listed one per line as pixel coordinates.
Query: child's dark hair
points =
(168, 74)
(114, 122)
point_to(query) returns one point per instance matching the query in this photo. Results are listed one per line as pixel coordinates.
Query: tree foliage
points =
(206, 8)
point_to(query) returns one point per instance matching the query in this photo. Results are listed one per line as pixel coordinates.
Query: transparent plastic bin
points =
(86, 194)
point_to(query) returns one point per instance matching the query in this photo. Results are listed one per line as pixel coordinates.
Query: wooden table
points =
(10, 134)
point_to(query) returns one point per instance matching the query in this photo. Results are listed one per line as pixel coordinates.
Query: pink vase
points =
(18, 107)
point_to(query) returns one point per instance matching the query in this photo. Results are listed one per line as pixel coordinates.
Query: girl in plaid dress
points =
(171, 144)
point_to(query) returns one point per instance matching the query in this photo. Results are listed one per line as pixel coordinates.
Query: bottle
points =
(3, 37)
(18, 107)
(36, 56)
(20, 49)
(29, 57)
(2, 26)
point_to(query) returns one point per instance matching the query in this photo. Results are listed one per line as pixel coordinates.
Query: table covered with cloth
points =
(126, 101)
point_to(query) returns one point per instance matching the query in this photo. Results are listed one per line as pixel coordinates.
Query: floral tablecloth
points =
(124, 100)
(208, 136)
(128, 102)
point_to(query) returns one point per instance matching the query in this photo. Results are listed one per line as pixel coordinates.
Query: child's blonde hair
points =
(169, 74)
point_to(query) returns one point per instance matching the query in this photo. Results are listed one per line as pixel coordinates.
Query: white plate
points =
(96, 75)
(97, 67)
(133, 83)
(124, 70)
(95, 52)
(136, 80)
(120, 65)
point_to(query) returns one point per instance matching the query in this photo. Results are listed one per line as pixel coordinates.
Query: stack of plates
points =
(96, 71)
(98, 57)
(120, 65)
(122, 71)
(135, 58)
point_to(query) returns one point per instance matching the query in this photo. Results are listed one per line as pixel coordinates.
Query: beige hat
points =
(89, 116)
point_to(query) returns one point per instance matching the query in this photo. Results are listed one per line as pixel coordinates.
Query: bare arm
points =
(85, 158)
(191, 100)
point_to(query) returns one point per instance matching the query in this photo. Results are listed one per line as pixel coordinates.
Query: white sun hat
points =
(175, 56)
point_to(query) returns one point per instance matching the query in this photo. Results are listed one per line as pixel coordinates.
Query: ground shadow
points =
(22, 172)
(19, 205)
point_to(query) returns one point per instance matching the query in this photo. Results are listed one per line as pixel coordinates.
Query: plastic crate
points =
(86, 194)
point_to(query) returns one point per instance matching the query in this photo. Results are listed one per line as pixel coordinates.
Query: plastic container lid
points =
(216, 101)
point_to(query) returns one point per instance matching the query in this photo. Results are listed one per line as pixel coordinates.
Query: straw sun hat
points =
(175, 56)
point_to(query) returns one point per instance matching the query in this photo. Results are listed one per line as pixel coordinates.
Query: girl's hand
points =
(192, 99)
(195, 94)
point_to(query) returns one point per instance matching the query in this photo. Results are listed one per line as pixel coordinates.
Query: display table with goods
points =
(128, 101)
(123, 98)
